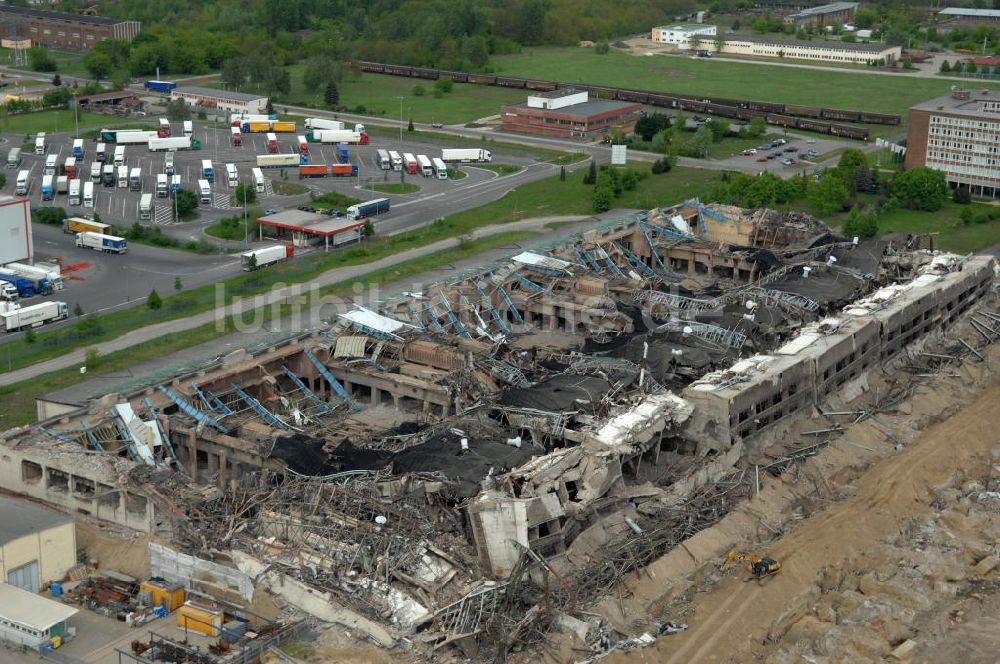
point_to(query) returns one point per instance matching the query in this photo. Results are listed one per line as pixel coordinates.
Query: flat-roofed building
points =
(221, 101)
(63, 29)
(682, 35)
(569, 113)
(799, 49)
(37, 544)
(960, 135)
(29, 620)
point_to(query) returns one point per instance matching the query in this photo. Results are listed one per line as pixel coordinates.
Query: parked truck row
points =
(14, 317)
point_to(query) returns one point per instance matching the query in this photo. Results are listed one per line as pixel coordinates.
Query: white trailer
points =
(50, 164)
(74, 192)
(135, 179)
(95, 171)
(232, 175)
(383, 160)
(40, 144)
(188, 128)
(134, 137)
(465, 154)
(108, 175)
(338, 136)
(109, 244)
(440, 168)
(88, 194)
(62, 184)
(16, 317)
(146, 203)
(23, 183)
(265, 256)
(175, 182)
(162, 186)
(426, 167)
(37, 274)
(258, 180)
(395, 160)
(169, 143)
(278, 160)
(120, 155)
(14, 158)
(101, 153)
(204, 191)
(122, 176)
(320, 123)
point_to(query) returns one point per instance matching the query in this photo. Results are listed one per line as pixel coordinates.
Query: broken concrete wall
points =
(197, 574)
(499, 521)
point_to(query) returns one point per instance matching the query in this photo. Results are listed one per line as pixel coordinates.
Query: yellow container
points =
(168, 595)
(56, 642)
(200, 618)
(260, 126)
(283, 126)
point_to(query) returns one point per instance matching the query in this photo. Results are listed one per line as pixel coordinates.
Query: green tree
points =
(852, 169)
(868, 226)
(591, 176)
(444, 85)
(650, 124)
(562, 173)
(921, 189)
(718, 127)
(331, 95)
(967, 215)
(828, 195)
(40, 59)
(701, 141)
(57, 80)
(368, 230)
(177, 110)
(245, 194)
(252, 262)
(758, 127)
(409, 125)
(185, 201)
(29, 335)
(604, 194)
(320, 70)
(154, 301)
(961, 195)
(77, 310)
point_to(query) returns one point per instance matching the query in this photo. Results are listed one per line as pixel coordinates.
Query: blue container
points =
(56, 589)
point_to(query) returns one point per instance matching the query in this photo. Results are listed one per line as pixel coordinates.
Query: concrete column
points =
(395, 401)
(375, 396)
(192, 454)
(223, 471)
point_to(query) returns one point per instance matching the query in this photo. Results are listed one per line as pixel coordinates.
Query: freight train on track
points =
(792, 116)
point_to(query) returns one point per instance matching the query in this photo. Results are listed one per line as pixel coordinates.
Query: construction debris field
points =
(550, 455)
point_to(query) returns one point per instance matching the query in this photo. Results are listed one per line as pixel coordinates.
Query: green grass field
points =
(380, 96)
(394, 188)
(726, 78)
(500, 169)
(56, 121)
(950, 233)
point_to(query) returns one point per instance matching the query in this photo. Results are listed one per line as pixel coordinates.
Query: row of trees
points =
(969, 68)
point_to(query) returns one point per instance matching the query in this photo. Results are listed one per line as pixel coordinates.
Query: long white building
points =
(680, 34)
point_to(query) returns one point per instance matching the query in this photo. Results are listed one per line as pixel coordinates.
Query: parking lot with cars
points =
(102, 281)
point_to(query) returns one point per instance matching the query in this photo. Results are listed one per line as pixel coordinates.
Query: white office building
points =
(681, 34)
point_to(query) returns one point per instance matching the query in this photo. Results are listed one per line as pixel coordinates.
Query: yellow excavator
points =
(760, 566)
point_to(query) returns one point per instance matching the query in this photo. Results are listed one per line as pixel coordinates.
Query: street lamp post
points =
(401, 98)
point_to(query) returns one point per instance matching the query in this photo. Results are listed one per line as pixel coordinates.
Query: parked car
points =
(787, 162)
(810, 141)
(747, 153)
(813, 153)
(791, 149)
(437, 125)
(780, 141)
(761, 158)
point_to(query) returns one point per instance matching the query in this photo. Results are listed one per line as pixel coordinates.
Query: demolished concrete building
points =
(543, 406)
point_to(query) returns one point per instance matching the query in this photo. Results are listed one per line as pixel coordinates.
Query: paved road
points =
(276, 297)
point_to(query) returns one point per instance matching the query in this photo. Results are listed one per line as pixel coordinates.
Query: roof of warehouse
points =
(22, 518)
(825, 9)
(687, 27)
(310, 222)
(31, 610)
(963, 11)
(217, 94)
(64, 16)
(586, 109)
(818, 43)
(968, 107)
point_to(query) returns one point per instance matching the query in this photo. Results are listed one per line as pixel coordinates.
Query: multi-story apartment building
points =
(960, 135)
